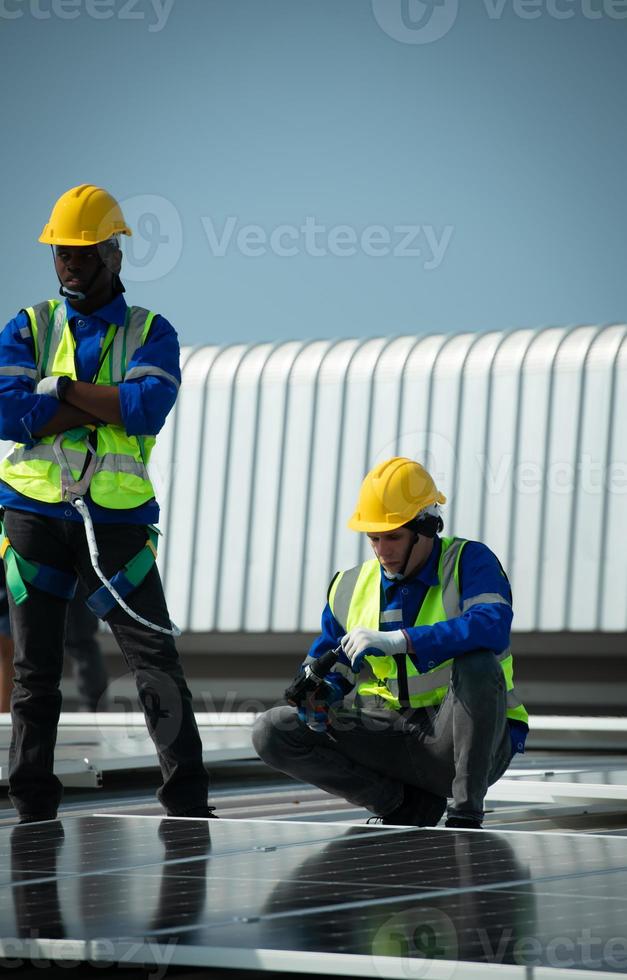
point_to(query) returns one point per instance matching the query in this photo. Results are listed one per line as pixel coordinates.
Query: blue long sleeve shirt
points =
(483, 625)
(145, 401)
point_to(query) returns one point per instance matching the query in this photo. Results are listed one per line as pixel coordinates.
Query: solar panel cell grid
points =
(195, 887)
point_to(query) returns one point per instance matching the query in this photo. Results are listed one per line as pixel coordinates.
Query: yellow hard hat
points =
(84, 215)
(392, 494)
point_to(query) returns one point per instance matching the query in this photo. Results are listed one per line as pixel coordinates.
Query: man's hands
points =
(361, 642)
(314, 714)
(66, 417)
(103, 401)
(55, 386)
(315, 711)
(100, 402)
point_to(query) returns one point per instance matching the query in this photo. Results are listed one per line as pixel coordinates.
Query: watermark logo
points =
(415, 21)
(433, 450)
(159, 700)
(424, 21)
(421, 938)
(156, 244)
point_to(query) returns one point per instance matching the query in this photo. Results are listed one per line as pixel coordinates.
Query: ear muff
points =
(428, 526)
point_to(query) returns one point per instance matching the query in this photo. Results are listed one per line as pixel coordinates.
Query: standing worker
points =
(85, 385)
(424, 629)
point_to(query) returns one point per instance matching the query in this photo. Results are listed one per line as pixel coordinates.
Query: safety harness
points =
(21, 572)
(101, 602)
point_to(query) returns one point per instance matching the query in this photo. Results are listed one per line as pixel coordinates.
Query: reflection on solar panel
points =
(366, 900)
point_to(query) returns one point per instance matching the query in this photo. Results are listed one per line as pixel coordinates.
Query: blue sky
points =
(316, 168)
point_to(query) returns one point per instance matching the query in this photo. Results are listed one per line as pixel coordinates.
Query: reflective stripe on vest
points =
(433, 679)
(109, 463)
(17, 371)
(355, 598)
(120, 478)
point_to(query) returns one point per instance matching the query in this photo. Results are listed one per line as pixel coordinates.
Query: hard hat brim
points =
(49, 238)
(372, 527)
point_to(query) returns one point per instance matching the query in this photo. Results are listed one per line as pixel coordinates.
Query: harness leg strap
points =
(21, 572)
(101, 602)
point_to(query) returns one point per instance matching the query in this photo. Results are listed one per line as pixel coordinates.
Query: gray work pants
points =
(456, 750)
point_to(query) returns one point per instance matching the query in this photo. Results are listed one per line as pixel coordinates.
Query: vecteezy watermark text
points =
(560, 478)
(580, 949)
(318, 240)
(41, 953)
(158, 239)
(558, 9)
(156, 12)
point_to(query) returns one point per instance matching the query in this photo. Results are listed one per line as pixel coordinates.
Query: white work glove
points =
(361, 642)
(54, 386)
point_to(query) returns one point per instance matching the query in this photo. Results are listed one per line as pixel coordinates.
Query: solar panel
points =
(366, 900)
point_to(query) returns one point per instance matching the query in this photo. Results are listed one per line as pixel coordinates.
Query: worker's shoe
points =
(419, 808)
(198, 811)
(464, 823)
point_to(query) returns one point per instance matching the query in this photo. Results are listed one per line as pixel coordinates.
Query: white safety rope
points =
(81, 507)
(72, 491)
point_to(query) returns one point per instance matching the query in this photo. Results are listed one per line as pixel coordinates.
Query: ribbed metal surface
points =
(526, 432)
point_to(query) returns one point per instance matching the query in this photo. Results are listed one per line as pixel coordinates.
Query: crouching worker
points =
(424, 629)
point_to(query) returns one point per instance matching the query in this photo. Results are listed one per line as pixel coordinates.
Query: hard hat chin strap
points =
(410, 548)
(399, 576)
(427, 526)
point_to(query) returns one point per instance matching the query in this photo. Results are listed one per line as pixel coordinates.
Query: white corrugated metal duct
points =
(525, 432)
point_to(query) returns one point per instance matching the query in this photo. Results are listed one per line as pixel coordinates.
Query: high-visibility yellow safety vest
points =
(355, 600)
(120, 479)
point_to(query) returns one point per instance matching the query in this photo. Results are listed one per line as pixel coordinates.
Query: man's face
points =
(391, 548)
(77, 266)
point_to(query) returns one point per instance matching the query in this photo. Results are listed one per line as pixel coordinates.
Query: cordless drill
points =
(309, 679)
